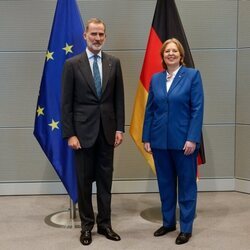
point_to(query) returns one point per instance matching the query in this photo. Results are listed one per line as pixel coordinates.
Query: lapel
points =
(179, 76)
(106, 67)
(162, 81)
(85, 69)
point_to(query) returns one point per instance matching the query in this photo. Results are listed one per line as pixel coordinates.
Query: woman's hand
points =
(147, 147)
(189, 147)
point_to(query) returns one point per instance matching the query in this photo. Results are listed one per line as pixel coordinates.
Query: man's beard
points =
(95, 46)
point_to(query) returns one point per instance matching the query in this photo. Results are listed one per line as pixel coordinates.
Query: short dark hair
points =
(96, 21)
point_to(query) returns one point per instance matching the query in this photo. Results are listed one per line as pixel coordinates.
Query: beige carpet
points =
(222, 222)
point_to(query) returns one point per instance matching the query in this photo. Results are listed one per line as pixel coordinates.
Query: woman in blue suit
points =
(172, 133)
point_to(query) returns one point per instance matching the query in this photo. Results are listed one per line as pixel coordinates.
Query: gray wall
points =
(242, 170)
(218, 32)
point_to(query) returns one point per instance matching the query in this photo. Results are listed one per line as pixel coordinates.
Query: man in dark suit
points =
(93, 124)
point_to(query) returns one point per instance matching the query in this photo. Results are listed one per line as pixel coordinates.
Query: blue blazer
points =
(174, 117)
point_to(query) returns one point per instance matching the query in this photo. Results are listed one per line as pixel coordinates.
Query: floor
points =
(222, 222)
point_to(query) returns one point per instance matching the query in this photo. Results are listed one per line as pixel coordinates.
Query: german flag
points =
(166, 24)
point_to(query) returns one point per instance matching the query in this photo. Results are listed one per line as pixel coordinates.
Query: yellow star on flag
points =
(68, 48)
(49, 55)
(39, 111)
(54, 125)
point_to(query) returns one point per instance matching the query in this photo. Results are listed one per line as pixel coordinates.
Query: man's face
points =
(95, 37)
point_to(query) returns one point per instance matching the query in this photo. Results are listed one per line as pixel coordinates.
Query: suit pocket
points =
(80, 118)
(110, 116)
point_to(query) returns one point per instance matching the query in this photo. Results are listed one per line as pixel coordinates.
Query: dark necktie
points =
(97, 77)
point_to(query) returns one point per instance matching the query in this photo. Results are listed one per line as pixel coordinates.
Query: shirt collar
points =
(174, 73)
(91, 55)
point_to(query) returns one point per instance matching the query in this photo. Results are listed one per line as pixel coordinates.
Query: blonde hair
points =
(179, 47)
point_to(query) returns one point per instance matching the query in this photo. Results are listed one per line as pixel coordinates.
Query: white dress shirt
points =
(90, 56)
(170, 78)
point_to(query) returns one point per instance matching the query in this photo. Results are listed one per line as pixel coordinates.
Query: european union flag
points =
(65, 41)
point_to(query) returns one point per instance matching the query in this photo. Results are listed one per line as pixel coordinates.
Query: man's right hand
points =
(74, 143)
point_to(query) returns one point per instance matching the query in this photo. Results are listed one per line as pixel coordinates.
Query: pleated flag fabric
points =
(166, 24)
(66, 40)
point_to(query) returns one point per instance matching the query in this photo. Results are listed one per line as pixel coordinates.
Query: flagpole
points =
(67, 218)
(166, 24)
(72, 208)
(64, 43)
(154, 214)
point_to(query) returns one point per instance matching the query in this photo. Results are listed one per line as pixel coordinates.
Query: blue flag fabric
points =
(65, 41)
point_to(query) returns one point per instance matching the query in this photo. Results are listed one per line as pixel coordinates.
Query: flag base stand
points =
(153, 214)
(64, 219)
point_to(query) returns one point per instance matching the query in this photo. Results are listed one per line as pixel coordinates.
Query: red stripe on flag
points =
(166, 24)
(152, 59)
(199, 160)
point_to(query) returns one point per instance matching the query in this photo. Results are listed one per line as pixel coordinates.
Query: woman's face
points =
(172, 56)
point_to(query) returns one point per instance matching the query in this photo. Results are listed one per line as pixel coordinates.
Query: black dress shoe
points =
(164, 230)
(109, 233)
(183, 238)
(86, 237)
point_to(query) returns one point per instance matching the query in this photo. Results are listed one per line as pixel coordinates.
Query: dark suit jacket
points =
(173, 117)
(82, 110)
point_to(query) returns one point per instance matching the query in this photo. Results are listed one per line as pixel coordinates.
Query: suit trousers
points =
(177, 171)
(95, 164)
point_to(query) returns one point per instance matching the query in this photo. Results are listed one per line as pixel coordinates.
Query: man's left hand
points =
(118, 138)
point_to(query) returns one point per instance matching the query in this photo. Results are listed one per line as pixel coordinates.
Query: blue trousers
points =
(176, 171)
